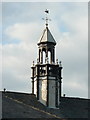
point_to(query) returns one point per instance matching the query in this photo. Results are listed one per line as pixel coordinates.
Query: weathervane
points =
(46, 18)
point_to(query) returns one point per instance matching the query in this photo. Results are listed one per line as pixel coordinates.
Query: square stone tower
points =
(46, 73)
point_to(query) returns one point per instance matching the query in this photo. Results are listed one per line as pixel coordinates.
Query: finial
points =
(60, 64)
(4, 89)
(57, 61)
(64, 95)
(46, 19)
(47, 12)
(33, 63)
(37, 61)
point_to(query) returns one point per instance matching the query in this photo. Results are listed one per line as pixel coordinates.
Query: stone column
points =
(53, 56)
(39, 56)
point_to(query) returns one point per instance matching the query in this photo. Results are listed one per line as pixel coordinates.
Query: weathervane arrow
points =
(47, 11)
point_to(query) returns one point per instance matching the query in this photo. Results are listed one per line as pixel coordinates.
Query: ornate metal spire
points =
(46, 18)
(47, 12)
(46, 36)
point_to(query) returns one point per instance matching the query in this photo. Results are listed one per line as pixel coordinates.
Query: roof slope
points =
(74, 107)
(47, 37)
(21, 105)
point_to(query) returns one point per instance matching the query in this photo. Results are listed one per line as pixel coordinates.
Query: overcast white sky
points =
(22, 27)
(44, 0)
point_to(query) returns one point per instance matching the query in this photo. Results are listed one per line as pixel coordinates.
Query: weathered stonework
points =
(46, 73)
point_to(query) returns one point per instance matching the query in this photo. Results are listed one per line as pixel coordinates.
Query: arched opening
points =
(49, 56)
(44, 55)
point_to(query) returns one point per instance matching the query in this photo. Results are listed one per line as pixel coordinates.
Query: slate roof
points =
(47, 37)
(22, 105)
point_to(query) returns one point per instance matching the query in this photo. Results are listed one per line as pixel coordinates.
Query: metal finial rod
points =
(46, 22)
(47, 12)
(46, 18)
